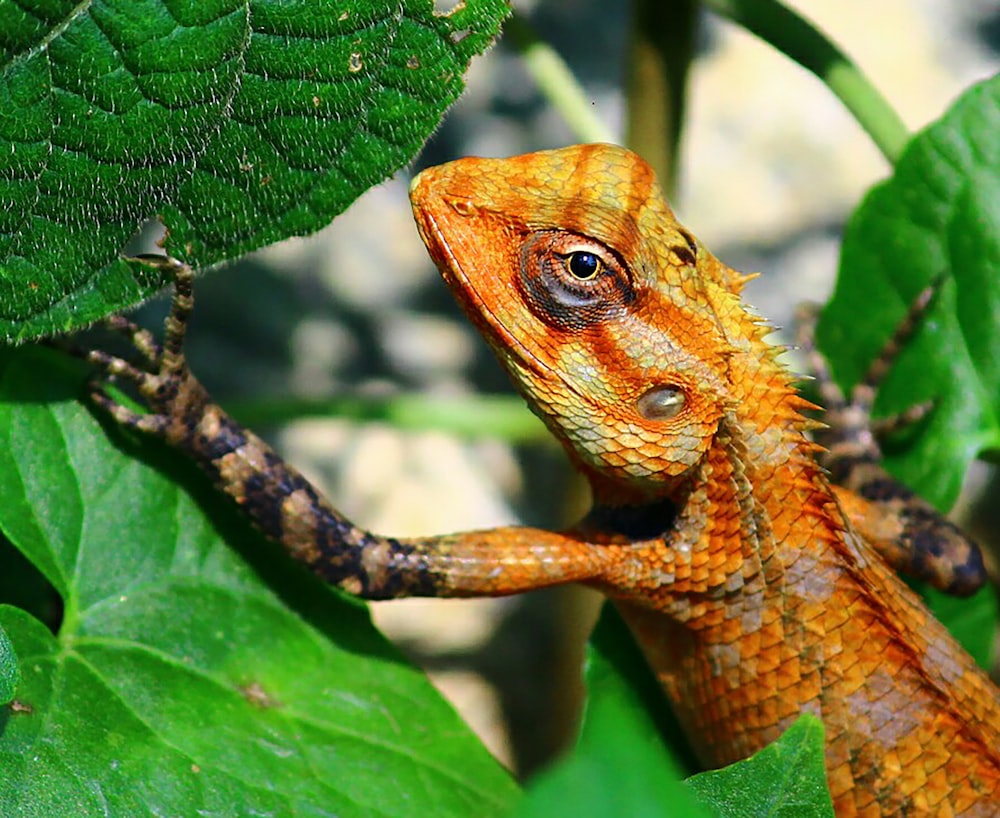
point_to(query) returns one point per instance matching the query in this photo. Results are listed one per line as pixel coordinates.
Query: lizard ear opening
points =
(661, 402)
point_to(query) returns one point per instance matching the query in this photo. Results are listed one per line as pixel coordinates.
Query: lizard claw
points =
(158, 372)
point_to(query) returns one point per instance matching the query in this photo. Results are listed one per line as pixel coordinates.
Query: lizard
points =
(713, 527)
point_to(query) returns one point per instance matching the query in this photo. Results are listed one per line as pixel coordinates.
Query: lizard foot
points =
(158, 372)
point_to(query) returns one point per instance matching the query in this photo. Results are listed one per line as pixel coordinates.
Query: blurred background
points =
(770, 166)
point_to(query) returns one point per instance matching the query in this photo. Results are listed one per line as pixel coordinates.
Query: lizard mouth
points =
(507, 345)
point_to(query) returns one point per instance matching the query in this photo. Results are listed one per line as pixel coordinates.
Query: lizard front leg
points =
(288, 509)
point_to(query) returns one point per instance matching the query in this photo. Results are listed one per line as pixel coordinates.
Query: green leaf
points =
(10, 670)
(195, 671)
(234, 123)
(631, 754)
(939, 213)
(620, 765)
(786, 778)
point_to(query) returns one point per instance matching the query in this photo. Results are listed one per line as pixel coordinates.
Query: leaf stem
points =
(799, 39)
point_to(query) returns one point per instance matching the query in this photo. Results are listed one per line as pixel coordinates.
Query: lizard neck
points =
(756, 484)
(752, 410)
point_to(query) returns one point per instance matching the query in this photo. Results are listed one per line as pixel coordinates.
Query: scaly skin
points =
(713, 528)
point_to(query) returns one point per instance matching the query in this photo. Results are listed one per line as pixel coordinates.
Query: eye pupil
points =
(583, 265)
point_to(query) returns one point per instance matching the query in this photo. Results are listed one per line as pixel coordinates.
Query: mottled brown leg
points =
(289, 510)
(909, 533)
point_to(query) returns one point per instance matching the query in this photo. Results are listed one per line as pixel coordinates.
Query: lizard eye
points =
(583, 265)
(572, 281)
(661, 403)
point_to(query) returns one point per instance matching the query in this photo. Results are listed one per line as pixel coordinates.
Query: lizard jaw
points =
(511, 350)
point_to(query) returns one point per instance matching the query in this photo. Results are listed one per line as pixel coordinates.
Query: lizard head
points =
(609, 317)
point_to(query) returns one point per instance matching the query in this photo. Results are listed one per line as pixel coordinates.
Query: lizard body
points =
(759, 601)
(713, 527)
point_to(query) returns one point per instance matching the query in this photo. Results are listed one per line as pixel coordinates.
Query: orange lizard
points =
(713, 528)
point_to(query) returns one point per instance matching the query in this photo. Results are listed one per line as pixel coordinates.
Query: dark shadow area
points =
(986, 29)
(24, 586)
(983, 525)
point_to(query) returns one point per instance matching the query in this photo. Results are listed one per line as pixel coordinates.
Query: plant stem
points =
(557, 83)
(661, 45)
(799, 39)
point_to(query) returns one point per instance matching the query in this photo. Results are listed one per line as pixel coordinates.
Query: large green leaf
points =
(195, 671)
(787, 779)
(236, 123)
(10, 670)
(938, 214)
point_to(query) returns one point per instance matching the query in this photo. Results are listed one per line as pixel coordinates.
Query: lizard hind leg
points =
(852, 434)
(909, 533)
